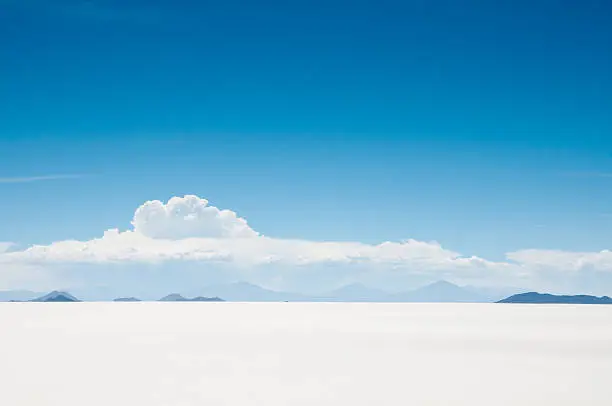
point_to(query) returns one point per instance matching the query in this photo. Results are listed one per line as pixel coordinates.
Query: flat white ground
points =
(285, 354)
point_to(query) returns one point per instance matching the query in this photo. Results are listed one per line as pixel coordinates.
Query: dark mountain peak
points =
(535, 297)
(206, 299)
(56, 296)
(173, 297)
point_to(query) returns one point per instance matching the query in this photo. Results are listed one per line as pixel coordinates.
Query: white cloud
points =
(188, 229)
(563, 261)
(188, 217)
(133, 246)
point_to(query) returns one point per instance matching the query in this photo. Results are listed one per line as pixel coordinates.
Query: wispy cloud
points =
(27, 179)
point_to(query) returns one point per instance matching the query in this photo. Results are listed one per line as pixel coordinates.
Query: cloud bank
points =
(189, 230)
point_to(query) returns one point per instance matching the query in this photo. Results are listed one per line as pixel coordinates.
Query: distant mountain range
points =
(441, 291)
(535, 297)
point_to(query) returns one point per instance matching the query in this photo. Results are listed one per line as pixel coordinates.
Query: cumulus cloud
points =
(188, 217)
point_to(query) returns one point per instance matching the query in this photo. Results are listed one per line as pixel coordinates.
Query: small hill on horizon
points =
(56, 296)
(206, 299)
(173, 297)
(177, 297)
(127, 299)
(544, 298)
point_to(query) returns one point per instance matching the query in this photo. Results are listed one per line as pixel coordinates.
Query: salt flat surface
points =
(286, 354)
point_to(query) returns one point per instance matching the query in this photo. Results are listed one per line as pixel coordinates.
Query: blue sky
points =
(482, 125)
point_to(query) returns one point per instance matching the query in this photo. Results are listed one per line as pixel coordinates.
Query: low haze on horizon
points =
(158, 146)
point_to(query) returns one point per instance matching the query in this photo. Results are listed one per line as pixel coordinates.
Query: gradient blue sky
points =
(483, 125)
